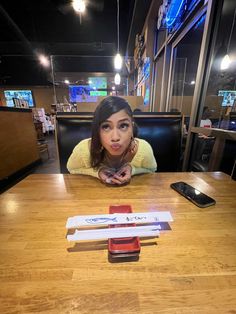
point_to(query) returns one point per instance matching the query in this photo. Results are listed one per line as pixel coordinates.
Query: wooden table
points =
(189, 269)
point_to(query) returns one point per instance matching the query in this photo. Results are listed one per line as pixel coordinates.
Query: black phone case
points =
(206, 200)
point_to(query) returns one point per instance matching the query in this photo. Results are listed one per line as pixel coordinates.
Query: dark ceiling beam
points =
(140, 12)
(92, 48)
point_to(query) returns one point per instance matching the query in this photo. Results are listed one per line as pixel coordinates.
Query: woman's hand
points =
(109, 176)
(106, 174)
(123, 175)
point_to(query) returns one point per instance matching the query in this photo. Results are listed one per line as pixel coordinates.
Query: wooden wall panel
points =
(18, 141)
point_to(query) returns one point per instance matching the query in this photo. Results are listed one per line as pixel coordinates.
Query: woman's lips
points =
(115, 146)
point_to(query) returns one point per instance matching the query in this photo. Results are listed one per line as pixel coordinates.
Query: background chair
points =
(43, 147)
(203, 151)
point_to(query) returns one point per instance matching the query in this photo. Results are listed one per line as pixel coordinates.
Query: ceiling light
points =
(44, 60)
(117, 79)
(67, 82)
(118, 59)
(78, 6)
(226, 60)
(192, 82)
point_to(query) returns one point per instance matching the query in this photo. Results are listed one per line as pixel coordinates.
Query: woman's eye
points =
(124, 126)
(105, 127)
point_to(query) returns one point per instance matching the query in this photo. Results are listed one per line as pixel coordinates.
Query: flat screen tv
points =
(229, 97)
(19, 96)
(81, 93)
(97, 86)
(97, 82)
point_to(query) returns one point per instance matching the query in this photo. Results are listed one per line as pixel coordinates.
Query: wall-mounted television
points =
(229, 97)
(81, 93)
(97, 82)
(97, 86)
(24, 98)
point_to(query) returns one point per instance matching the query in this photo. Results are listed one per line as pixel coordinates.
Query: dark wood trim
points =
(13, 109)
(90, 115)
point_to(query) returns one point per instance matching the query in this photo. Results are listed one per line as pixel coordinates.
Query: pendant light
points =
(225, 63)
(118, 59)
(79, 6)
(117, 79)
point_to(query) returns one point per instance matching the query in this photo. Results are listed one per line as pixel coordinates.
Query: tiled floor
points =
(51, 164)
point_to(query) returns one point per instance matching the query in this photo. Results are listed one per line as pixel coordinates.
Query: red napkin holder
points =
(123, 247)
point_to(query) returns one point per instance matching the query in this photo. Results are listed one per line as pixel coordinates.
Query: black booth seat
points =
(162, 130)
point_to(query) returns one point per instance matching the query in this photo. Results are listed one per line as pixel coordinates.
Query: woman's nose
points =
(115, 135)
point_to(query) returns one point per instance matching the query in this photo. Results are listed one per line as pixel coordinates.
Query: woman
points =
(113, 154)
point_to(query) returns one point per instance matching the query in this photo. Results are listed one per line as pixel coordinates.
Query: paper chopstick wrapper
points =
(113, 219)
(112, 233)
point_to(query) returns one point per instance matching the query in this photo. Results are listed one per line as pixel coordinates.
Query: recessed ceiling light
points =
(44, 60)
(79, 6)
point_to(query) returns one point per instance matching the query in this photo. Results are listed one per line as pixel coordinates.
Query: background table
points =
(218, 149)
(189, 269)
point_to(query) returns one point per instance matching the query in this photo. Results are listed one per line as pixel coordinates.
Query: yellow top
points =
(79, 161)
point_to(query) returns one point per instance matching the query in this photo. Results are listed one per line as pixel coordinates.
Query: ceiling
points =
(52, 27)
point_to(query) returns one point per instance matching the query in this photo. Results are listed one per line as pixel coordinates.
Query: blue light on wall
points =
(192, 4)
(146, 68)
(146, 97)
(174, 11)
(200, 22)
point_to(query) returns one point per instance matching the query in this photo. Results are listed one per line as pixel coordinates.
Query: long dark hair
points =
(107, 107)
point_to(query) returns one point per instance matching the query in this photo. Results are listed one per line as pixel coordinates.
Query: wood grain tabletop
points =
(190, 268)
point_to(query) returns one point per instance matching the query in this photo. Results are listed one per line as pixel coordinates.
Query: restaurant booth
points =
(163, 242)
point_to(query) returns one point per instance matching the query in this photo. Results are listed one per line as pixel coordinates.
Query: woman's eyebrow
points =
(121, 120)
(125, 119)
(106, 121)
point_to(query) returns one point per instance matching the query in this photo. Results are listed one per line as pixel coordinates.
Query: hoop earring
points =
(132, 145)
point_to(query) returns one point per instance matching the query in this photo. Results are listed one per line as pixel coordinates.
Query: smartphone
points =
(198, 198)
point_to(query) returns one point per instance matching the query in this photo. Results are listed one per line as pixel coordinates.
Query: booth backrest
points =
(162, 130)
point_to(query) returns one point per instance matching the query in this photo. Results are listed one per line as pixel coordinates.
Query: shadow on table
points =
(88, 246)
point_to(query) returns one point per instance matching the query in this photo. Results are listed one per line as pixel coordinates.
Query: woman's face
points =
(116, 133)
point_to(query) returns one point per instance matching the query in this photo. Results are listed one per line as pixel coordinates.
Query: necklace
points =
(117, 162)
